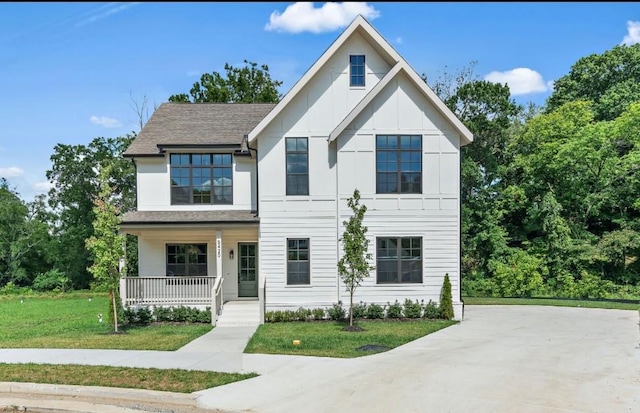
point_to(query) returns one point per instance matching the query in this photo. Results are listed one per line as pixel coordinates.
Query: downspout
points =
(246, 138)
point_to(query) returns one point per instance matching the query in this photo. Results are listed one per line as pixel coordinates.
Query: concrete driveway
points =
(499, 359)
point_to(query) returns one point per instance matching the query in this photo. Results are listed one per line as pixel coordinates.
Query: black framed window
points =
(398, 164)
(202, 178)
(399, 260)
(298, 261)
(356, 70)
(297, 151)
(187, 260)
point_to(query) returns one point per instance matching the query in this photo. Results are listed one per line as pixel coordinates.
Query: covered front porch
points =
(192, 258)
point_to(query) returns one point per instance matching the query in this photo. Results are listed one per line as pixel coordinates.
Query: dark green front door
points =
(247, 269)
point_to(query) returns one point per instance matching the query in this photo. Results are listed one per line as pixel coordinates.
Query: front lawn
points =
(327, 338)
(174, 380)
(72, 322)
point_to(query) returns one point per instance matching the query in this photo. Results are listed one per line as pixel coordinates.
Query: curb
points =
(99, 392)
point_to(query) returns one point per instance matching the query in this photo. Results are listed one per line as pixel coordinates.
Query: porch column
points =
(218, 253)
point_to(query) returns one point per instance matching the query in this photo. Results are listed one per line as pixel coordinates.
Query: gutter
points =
(245, 138)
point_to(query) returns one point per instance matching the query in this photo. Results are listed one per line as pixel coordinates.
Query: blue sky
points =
(68, 71)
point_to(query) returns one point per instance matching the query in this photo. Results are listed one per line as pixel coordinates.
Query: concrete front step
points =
(239, 313)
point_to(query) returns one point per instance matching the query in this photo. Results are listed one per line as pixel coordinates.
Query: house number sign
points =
(219, 248)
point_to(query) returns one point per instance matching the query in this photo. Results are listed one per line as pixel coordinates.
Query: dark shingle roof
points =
(188, 217)
(198, 124)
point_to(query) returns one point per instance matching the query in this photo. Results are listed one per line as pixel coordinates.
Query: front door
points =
(247, 269)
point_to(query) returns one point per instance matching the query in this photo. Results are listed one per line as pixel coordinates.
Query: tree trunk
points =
(115, 310)
(351, 308)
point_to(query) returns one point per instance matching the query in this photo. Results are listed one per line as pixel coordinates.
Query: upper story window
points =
(398, 164)
(202, 178)
(356, 70)
(297, 166)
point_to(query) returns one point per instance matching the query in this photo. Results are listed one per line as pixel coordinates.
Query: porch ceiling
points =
(138, 219)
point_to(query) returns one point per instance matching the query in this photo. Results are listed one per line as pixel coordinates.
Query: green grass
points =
(174, 380)
(327, 339)
(72, 322)
(549, 301)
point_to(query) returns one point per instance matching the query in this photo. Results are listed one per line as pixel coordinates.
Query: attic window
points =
(356, 70)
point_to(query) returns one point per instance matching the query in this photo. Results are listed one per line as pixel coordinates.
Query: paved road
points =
(499, 359)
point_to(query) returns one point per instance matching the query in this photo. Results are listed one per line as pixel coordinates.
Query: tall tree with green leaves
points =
(248, 84)
(611, 81)
(106, 245)
(354, 265)
(74, 175)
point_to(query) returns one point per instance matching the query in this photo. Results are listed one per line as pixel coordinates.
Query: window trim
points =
(364, 73)
(286, 165)
(399, 261)
(190, 167)
(186, 264)
(308, 261)
(398, 150)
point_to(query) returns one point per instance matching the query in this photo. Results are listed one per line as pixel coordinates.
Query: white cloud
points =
(42, 186)
(521, 81)
(633, 36)
(11, 172)
(192, 73)
(398, 40)
(303, 16)
(102, 15)
(105, 121)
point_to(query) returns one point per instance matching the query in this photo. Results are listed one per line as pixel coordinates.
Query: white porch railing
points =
(167, 291)
(216, 300)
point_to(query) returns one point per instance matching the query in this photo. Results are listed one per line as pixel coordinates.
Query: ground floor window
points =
(298, 261)
(399, 260)
(187, 260)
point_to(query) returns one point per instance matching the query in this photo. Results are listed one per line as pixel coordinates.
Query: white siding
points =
(336, 169)
(154, 186)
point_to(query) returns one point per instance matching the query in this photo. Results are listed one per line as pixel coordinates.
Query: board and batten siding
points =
(336, 168)
(154, 186)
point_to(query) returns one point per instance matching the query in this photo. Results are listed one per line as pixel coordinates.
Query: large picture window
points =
(187, 260)
(203, 178)
(297, 166)
(399, 260)
(398, 164)
(356, 70)
(298, 261)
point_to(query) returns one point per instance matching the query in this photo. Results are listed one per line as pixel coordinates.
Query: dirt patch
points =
(373, 347)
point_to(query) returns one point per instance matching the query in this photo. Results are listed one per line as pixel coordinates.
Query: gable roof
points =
(359, 25)
(403, 67)
(197, 124)
(391, 56)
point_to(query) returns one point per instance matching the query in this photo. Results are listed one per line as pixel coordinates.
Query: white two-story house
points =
(252, 197)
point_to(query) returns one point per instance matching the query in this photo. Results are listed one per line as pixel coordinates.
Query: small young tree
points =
(106, 245)
(354, 266)
(446, 303)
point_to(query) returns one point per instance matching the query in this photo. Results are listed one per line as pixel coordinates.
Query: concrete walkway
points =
(500, 359)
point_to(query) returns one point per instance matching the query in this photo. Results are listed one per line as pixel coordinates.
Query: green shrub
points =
(592, 286)
(318, 313)
(432, 311)
(52, 280)
(518, 274)
(394, 310)
(302, 314)
(162, 314)
(446, 301)
(360, 310)
(375, 311)
(412, 309)
(336, 312)
(11, 289)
